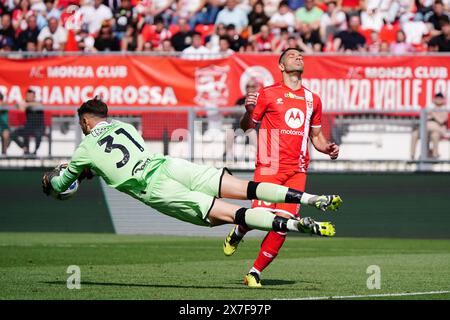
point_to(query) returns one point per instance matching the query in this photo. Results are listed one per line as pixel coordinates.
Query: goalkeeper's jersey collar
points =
(100, 124)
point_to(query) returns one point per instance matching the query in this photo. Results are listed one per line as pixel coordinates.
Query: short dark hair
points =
(284, 53)
(94, 106)
(230, 26)
(158, 19)
(444, 20)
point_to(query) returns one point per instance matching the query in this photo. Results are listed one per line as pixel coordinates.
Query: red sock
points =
(269, 250)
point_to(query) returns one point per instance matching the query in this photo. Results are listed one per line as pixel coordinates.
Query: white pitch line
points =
(372, 295)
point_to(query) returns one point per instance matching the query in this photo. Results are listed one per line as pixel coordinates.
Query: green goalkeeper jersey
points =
(116, 152)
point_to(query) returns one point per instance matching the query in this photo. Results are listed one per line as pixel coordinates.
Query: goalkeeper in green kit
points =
(181, 189)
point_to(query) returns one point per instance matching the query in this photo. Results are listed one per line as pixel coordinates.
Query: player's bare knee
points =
(233, 187)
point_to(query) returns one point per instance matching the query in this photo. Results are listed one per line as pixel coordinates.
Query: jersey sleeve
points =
(316, 119)
(261, 107)
(80, 160)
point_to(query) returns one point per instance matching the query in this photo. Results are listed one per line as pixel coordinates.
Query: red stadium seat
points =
(205, 30)
(388, 33)
(173, 28)
(366, 33)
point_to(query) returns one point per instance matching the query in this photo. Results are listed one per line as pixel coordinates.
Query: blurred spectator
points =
(294, 42)
(236, 41)
(224, 47)
(264, 40)
(282, 43)
(249, 47)
(208, 14)
(351, 39)
(309, 14)
(95, 15)
(371, 18)
(400, 46)
(385, 47)
(212, 41)
(123, 17)
(395, 10)
(374, 45)
(6, 45)
(190, 10)
(154, 34)
(332, 21)
(114, 5)
(54, 31)
(85, 42)
(34, 125)
(3, 8)
(31, 46)
(6, 28)
(414, 31)
(51, 10)
(105, 40)
(310, 38)
(441, 42)
(4, 127)
(129, 41)
(435, 16)
(166, 46)
(422, 8)
(183, 38)
(244, 5)
(295, 4)
(162, 8)
(47, 45)
(271, 6)
(284, 18)
(232, 15)
(61, 4)
(197, 50)
(30, 34)
(436, 128)
(257, 18)
(19, 15)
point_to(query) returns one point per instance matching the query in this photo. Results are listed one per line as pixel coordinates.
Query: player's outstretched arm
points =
(72, 171)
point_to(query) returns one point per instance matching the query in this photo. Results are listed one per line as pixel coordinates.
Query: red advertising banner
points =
(345, 83)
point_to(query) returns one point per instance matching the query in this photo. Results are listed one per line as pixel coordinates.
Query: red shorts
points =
(287, 177)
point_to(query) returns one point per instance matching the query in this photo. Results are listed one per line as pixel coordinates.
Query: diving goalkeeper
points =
(189, 192)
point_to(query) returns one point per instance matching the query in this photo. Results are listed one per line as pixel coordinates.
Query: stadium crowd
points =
(225, 26)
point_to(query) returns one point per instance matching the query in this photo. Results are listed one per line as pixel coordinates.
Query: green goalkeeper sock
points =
(264, 220)
(275, 193)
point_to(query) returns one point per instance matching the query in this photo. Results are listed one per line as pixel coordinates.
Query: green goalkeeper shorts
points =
(184, 190)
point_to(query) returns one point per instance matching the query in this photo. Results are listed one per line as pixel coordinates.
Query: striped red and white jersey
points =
(286, 118)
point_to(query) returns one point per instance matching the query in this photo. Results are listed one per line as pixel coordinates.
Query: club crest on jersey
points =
(293, 96)
(294, 118)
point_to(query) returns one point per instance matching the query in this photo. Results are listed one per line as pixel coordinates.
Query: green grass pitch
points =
(34, 265)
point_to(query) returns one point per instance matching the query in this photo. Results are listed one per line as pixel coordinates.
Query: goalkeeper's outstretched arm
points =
(78, 168)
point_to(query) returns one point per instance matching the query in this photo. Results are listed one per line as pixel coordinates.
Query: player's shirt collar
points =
(287, 88)
(100, 124)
